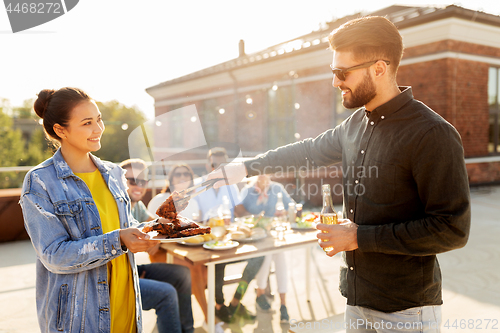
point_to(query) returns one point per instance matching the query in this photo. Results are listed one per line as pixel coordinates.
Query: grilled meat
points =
(171, 206)
(179, 227)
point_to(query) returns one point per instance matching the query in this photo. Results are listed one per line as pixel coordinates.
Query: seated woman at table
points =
(180, 178)
(262, 196)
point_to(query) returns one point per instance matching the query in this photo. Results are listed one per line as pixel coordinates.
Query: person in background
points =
(262, 196)
(259, 196)
(179, 178)
(198, 276)
(209, 201)
(164, 287)
(412, 205)
(77, 213)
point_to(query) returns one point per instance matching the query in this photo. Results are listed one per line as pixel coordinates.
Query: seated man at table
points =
(164, 287)
(208, 202)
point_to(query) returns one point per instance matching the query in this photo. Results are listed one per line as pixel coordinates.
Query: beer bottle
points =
(280, 207)
(328, 215)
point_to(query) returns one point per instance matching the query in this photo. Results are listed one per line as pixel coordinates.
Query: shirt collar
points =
(394, 104)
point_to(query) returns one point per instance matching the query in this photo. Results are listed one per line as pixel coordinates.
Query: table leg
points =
(211, 297)
(308, 273)
(170, 258)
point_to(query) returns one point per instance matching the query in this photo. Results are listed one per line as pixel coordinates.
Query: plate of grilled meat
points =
(173, 227)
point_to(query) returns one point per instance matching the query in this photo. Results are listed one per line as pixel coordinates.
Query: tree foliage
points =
(17, 152)
(114, 141)
(12, 152)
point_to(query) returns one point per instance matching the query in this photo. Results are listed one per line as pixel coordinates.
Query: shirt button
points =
(352, 268)
(351, 211)
(382, 117)
(113, 251)
(362, 152)
(372, 123)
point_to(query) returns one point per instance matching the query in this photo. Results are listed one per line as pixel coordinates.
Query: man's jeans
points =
(424, 319)
(167, 289)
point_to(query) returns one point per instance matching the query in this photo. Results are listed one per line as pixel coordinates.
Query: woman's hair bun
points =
(42, 101)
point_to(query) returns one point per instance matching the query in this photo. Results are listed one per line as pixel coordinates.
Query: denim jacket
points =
(72, 291)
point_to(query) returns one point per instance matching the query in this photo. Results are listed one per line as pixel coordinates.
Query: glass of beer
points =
(328, 215)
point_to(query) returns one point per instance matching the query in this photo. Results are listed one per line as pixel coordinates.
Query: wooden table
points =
(269, 245)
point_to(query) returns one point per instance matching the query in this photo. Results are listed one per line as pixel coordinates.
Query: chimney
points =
(242, 48)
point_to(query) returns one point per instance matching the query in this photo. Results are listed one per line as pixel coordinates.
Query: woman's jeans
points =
(167, 289)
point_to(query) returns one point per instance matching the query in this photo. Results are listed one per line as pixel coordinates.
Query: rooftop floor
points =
(471, 283)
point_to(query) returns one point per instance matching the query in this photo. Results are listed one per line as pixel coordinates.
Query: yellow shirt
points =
(120, 280)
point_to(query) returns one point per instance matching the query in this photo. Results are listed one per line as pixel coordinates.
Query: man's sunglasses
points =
(340, 73)
(179, 174)
(137, 182)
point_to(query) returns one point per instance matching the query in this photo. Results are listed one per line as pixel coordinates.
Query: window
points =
(175, 134)
(493, 102)
(209, 117)
(281, 116)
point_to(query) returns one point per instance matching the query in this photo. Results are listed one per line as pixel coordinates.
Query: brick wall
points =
(483, 173)
(457, 90)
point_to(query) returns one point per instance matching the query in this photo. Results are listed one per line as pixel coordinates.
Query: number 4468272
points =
(41, 8)
(469, 324)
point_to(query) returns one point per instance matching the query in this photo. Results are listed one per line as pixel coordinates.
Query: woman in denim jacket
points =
(83, 283)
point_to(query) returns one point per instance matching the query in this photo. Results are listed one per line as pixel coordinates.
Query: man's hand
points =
(342, 236)
(231, 172)
(135, 240)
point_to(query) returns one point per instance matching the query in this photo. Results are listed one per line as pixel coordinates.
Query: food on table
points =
(195, 240)
(257, 232)
(243, 232)
(208, 237)
(238, 235)
(308, 221)
(244, 229)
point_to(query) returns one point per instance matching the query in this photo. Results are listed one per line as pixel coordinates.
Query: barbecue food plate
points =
(220, 245)
(164, 238)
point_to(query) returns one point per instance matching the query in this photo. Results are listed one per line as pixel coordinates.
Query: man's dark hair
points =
(369, 38)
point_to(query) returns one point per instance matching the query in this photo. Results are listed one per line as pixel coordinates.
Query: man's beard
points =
(365, 92)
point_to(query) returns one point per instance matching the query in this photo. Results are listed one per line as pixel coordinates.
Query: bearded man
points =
(413, 204)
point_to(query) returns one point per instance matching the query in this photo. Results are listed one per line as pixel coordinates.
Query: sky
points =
(115, 49)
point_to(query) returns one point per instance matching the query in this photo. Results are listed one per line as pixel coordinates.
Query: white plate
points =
(163, 238)
(294, 226)
(227, 245)
(183, 242)
(252, 238)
